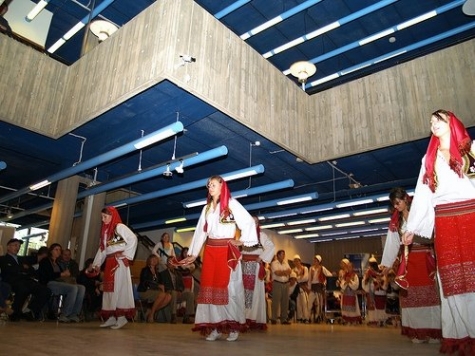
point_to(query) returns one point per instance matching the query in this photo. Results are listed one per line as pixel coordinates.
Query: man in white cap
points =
(303, 315)
(316, 284)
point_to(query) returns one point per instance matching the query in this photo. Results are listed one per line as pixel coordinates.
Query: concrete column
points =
(64, 207)
(90, 227)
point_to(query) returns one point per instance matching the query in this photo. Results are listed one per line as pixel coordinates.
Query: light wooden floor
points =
(48, 338)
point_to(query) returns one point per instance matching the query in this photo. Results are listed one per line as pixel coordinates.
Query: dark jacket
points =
(165, 278)
(295, 293)
(146, 280)
(71, 265)
(13, 272)
(46, 272)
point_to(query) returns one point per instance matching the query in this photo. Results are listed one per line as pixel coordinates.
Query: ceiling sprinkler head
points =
(180, 169)
(168, 173)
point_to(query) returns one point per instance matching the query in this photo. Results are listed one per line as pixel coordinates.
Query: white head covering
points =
(319, 258)
(297, 257)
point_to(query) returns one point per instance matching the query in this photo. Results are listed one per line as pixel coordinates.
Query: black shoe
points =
(14, 317)
(29, 316)
(188, 320)
(273, 322)
(286, 322)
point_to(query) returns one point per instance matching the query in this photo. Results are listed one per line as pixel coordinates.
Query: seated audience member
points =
(43, 252)
(93, 285)
(67, 263)
(51, 275)
(5, 291)
(173, 284)
(150, 290)
(18, 273)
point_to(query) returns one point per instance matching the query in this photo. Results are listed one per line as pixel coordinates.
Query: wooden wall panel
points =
(332, 252)
(32, 87)
(236, 79)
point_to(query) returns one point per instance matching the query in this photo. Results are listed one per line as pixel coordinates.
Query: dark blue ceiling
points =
(32, 157)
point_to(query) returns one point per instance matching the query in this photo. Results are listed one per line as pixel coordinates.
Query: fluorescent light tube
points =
(39, 185)
(354, 202)
(297, 199)
(318, 228)
(334, 217)
(291, 231)
(186, 229)
(306, 236)
(36, 10)
(171, 221)
(300, 222)
(377, 221)
(195, 203)
(370, 212)
(353, 223)
(151, 139)
(270, 226)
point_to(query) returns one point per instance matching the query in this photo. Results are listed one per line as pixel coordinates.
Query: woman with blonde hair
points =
(150, 290)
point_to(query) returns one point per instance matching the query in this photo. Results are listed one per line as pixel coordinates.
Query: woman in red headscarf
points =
(221, 297)
(444, 203)
(419, 300)
(117, 247)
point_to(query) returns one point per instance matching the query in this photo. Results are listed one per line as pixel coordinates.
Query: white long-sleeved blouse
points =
(220, 230)
(450, 188)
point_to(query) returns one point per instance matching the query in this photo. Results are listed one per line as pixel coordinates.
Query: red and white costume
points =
(117, 247)
(254, 274)
(444, 202)
(350, 308)
(316, 284)
(221, 296)
(420, 302)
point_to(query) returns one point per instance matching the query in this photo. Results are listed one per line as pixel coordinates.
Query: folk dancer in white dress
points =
(254, 274)
(117, 247)
(348, 281)
(375, 285)
(444, 203)
(221, 297)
